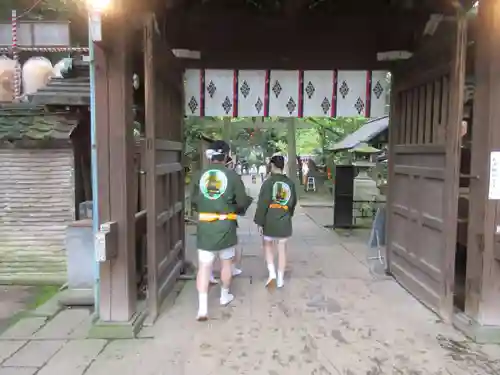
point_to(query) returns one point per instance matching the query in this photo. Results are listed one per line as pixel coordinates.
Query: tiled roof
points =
(25, 123)
(364, 134)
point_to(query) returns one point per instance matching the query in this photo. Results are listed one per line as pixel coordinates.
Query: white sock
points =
(280, 280)
(202, 304)
(272, 271)
(236, 271)
(224, 293)
(225, 296)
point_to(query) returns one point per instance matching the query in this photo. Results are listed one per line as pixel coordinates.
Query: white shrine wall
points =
(285, 93)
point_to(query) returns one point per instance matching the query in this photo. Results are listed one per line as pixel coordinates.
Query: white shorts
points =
(275, 239)
(205, 256)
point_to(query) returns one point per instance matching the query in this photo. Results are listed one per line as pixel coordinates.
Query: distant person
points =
(253, 173)
(262, 172)
(275, 209)
(305, 172)
(237, 169)
(299, 168)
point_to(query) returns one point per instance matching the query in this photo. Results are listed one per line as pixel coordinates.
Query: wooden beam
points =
(151, 118)
(104, 194)
(293, 8)
(118, 275)
(311, 42)
(396, 131)
(483, 271)
(452, 171)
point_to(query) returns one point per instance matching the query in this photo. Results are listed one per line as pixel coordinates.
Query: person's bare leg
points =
(202, 282)
(213, 280)
(225, 276)
(268, 248)
(281, 263)
(236, 267)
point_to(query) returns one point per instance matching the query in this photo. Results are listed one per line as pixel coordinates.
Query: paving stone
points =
(74, 357)
(82, 330)
(63, 324)
(7, 348)
(337, 321)
(35, 354)
(18, 370)
(24, 329)
(49, 308)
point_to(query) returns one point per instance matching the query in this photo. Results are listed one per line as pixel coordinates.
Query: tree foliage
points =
(42, 9)
(324, 133)
(256, 143)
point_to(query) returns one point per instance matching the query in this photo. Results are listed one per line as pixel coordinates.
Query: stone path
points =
(14, 299)
(332, 317)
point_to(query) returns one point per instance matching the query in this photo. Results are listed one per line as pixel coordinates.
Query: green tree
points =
(324, 133)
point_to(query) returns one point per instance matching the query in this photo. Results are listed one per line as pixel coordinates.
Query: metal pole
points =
(94, 175)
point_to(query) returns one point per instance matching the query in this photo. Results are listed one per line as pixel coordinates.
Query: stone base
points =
(118, 330)
(478, 333)
(77, 297)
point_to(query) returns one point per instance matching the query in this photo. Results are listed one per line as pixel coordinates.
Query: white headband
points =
(209, 153)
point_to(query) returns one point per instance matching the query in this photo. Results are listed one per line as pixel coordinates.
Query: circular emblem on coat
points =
(281, 193)
(213, 183)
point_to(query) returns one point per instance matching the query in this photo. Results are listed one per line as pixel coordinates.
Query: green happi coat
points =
(218, 190)
(276, 206)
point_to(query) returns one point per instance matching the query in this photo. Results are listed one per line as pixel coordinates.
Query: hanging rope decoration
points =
(15, 56)
(14, 51)
(46, 49)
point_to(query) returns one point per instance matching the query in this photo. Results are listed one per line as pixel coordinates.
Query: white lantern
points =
(37, 72)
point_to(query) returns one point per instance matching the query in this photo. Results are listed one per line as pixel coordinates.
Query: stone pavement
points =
(14, 300)
(332, 317)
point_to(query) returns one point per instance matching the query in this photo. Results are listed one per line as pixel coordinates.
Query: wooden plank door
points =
(164, 171)
(424, 168)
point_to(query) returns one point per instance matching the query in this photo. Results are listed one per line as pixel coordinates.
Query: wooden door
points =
(164, 172)
(424, 167)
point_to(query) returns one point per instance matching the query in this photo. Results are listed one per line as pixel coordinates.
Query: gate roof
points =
(299, 34)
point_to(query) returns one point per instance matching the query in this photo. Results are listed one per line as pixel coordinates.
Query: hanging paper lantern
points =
(37, 72)
(7, 74)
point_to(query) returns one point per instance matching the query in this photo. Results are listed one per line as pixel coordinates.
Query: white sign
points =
(100, 246)
(494, 190)
(95, 26)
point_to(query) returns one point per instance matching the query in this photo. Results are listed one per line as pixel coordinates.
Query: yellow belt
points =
(203, 216)
(276, 205)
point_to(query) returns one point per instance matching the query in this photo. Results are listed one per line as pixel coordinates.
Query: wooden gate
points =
(424, 166)
(164, 173)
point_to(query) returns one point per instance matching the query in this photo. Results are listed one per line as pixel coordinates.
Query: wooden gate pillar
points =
(115, 143)
(164, 171)
(482, 302)
(452, 171)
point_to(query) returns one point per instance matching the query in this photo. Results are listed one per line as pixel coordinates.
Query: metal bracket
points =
(106, 242)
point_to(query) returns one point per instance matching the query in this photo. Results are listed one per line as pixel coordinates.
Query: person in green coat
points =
(218, 195)
(236, 270)
(275, 209)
